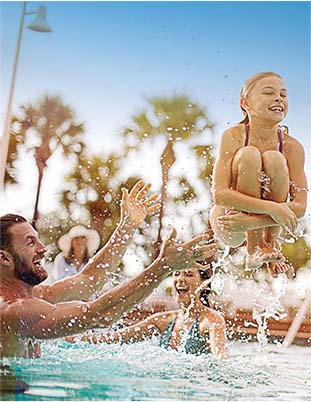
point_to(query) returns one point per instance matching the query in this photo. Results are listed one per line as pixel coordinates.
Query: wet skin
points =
(29, 312)
(188, 286)
(242, 209)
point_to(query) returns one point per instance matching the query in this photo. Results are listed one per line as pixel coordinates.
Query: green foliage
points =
(41, 129)
(93, 188)
(297, 253)
(52, 227)
(93, 192)
(176, 117)
(203, 152)
(187, 192)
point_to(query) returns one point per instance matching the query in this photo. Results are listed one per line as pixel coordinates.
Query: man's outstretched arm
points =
(95, 274)
(173, 256)
(39, 319)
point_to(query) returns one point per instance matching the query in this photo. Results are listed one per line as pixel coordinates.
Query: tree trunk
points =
(36, 211)
(167, 160)
(42, 155)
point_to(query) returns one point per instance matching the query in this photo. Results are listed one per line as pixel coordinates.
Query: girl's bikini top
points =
(280, 135)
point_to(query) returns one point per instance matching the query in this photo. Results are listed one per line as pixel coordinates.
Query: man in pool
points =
(30, 311)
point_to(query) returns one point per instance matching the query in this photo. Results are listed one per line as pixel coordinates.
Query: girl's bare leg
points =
(227, 237)
(247, 168)
(276, 189)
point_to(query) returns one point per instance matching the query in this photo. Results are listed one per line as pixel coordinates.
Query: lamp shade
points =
(40, 24)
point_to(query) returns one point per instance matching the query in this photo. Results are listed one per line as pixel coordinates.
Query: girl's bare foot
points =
(276, 268)
(264, 254)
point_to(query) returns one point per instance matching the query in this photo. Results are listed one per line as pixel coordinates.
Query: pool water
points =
(146, 372)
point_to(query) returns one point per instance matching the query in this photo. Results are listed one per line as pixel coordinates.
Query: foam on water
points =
(144, 371)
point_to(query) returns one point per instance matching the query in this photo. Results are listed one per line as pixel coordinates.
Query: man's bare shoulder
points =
(20, 302)
(30, 306)
(10, 315)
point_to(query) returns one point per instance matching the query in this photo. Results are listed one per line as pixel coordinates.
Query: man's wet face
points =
(25, 273)
(27, 252)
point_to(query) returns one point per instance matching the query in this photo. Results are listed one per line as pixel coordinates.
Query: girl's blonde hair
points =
(248, 85)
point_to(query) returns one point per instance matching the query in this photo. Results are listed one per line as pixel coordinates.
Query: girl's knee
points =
(276, 169)
(275, 165)
(274, 160)
(228, 238)
(249, 157)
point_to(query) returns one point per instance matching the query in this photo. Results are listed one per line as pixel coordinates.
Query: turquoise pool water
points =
(145, 372)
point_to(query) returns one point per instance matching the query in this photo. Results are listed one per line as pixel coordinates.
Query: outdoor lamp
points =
(38, 25)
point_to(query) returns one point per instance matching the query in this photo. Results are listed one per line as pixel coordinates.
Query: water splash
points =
(265, 182)
(144, 371)
(274, 310)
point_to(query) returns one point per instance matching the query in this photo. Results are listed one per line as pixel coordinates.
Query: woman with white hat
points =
(77, 247)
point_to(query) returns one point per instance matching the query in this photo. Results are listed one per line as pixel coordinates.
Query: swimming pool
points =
(146, 372)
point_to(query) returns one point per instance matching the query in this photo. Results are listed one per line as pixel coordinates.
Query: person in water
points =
(259, 183)
(30, 310)
(195, 327)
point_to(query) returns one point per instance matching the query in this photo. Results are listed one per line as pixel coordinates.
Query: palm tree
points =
(15, 140)
(42, 129)
(93, 192)
(203, 152)
(176, 118)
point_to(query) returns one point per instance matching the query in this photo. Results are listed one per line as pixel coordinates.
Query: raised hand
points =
(177, 255)
(276, 268)
(133, 208)
(71, 339)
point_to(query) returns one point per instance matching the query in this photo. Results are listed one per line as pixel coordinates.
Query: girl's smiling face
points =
(267, 100)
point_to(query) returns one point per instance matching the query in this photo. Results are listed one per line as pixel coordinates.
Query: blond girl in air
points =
(259, 183)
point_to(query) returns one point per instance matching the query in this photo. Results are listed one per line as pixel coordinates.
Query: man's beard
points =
(25, 273)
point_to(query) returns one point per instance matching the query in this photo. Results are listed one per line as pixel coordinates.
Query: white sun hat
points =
(92, 239)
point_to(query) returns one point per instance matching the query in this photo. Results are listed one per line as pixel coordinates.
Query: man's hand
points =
(71, 339)
(176, 255)
(133, 208)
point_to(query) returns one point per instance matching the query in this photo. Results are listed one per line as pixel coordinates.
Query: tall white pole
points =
(5, 139)
(295, 325)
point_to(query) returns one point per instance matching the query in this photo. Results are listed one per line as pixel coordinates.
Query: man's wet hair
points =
(6, 222)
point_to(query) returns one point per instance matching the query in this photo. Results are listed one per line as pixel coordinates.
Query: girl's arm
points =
(295, 155)
(226, 197)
